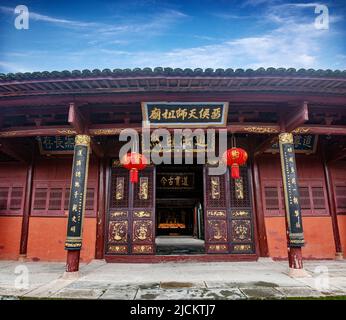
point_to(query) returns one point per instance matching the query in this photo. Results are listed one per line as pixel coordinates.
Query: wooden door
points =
(130, 224)
(228, 213)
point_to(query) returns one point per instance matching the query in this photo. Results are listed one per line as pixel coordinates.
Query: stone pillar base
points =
(71, 275)
(298, 273)
(339, 256)
(22, 258)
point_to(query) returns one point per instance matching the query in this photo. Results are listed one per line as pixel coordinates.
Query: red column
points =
(79, 178)
(99, 250)
(262, 234)
(27, 209)
(332, 207)
(294, 223)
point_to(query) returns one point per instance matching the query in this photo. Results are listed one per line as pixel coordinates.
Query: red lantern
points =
(234, 158)
(134, 161)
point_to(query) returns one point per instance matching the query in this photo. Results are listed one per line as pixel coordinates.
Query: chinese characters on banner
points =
(291, 191)
(176, 114)
(175, 180)
(77, 194)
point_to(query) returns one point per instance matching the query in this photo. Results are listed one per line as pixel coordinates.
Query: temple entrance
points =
(179, 209)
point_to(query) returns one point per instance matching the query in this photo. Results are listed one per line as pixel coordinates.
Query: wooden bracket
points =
(297, 117)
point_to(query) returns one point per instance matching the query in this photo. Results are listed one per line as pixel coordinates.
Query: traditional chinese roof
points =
(169, 79)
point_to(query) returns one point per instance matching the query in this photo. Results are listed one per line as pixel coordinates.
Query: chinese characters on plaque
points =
(292, 200)
(77, 194)
(184, 114)
(56, 144)
(303, 143)
(175, 180)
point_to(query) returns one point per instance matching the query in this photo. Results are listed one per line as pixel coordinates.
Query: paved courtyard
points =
(227, 280)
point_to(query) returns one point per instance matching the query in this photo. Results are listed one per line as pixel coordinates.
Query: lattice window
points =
(16, 198)
(273, 198)
(215, 200)
(119, 188)
(53, 199)
(305, 201)
(241, 202)
(11, 199)
(4, 192)
(143, 190)
(312, 198)
(340, 195)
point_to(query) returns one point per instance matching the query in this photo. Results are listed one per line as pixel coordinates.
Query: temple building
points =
(65, 195)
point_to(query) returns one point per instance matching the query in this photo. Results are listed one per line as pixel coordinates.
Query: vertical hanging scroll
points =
(291, 192)
(78, 193)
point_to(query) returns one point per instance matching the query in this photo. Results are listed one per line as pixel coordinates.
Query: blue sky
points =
(74, 34)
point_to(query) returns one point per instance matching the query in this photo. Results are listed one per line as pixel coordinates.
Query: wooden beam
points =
(137, 97)
(76, 120)
(296, 117)
(115, 129)
(34, 131)
(323, 130)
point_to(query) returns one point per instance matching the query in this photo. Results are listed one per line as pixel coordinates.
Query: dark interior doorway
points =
(179, 213)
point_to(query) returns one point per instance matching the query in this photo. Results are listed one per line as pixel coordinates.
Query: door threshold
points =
(180, 258)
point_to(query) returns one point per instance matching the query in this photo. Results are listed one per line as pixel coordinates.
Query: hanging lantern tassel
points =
(235, 174)
(133, 175)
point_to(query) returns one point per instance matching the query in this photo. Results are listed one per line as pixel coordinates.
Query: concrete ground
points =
(223, 280)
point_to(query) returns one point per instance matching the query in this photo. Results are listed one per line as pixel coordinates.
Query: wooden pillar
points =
(294, 223)
(78, 189)
(262, 234)
(332, 207)
(101, 214)
(27, 210)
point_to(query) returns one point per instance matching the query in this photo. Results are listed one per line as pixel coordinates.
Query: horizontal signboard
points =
(56, 144)
(185, 114)
(303, 143)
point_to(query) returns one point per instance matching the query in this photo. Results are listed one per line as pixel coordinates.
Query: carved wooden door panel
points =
(228, 213)
(130, 227)
(241, 229)
(215, 205)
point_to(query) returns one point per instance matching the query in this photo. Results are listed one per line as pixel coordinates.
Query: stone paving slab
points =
(119, 294)
(191, 294)
(264, 279)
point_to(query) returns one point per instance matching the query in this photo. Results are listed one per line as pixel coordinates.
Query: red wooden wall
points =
(12, 185)
(47, 227)
(49, 210)
(338, 172)
(317, 221)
